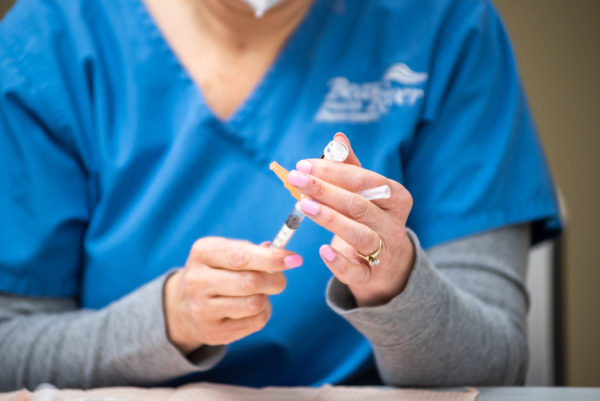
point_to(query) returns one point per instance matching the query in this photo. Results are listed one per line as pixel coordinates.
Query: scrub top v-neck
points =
(117, 165)
(239, 123)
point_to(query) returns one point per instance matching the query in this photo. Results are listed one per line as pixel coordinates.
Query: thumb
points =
(351, 159)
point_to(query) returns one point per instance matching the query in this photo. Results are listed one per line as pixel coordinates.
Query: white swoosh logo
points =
(402, 73)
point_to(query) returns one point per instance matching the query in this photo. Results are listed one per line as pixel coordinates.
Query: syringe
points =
(335, 151)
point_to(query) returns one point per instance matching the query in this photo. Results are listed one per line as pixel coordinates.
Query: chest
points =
(225, 65)
(225, 78)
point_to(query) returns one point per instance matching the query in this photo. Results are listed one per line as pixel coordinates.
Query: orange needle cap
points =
(282, 174)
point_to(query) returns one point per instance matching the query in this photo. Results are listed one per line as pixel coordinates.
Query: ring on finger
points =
(373, 258)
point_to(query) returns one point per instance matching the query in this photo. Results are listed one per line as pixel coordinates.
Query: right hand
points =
(221, 295)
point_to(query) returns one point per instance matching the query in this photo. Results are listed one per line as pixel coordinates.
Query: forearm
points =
(460, 319)
(122, 344)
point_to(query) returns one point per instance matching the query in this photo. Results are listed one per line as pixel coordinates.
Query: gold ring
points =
(373, 258)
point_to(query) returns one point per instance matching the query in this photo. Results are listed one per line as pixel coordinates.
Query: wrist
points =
(175, 328)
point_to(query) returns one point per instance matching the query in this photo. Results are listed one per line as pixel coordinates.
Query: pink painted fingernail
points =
(343, 136)
(304, 166)
(327, 253)
(309, 206)
(293, 261)
(296, 178)
(265, 243)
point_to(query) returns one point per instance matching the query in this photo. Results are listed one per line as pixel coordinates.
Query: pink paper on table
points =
(216, 392)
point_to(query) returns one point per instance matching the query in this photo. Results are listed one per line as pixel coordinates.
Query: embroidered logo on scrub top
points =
(367, 102)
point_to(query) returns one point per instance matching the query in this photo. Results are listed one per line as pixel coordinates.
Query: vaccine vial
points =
(336, 151)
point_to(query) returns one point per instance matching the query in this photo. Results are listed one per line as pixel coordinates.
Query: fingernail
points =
(296, 178)
(265, 243)
(304, 166)
(309, 206)
(327, 253)
(341, 135)
(292, 261)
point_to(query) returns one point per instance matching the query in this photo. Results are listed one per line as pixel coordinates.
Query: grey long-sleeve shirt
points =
(460, 320)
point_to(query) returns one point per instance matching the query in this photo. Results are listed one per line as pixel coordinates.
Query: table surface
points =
(527, 393)
(538, 393)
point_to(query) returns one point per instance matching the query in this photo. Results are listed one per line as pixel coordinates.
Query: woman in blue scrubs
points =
(135, 197)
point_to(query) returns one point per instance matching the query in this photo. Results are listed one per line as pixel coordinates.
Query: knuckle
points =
(238, 257)
(191, 282)
(321, 170)
(267, 313)
(363, 183)
(251, 281)
(198, 247)
(399, 189)
(189, 286)
(279, 282)
(318, 188)
(407, 199)
(327, 218)
(342, 271)
(362, 239)
(203, 245)
(357, 207)
(263, 318)
(255, 303)
(395, 186)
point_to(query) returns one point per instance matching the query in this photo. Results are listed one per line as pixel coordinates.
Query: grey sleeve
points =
(461, 318)
(52, 341)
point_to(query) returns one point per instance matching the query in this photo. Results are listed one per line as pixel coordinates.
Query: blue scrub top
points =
(112, 164)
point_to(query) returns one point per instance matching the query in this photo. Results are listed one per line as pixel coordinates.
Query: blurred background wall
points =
(557, 43)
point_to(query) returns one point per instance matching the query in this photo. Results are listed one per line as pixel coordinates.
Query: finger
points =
(346, 249)
(360, 236)
(352, 178)
(240, 328)
(348, 176)
(242, 255)
(213, 282)
(346, 270)
(348, 203)
(236, 307)
(351, 159)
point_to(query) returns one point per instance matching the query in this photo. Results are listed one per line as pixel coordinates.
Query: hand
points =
(220, 296)
(358, 225)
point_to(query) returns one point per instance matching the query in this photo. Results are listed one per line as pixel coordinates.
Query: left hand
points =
(358, 225)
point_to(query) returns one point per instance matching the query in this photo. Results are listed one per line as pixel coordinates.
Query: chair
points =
(545, 321)
(544, 324)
